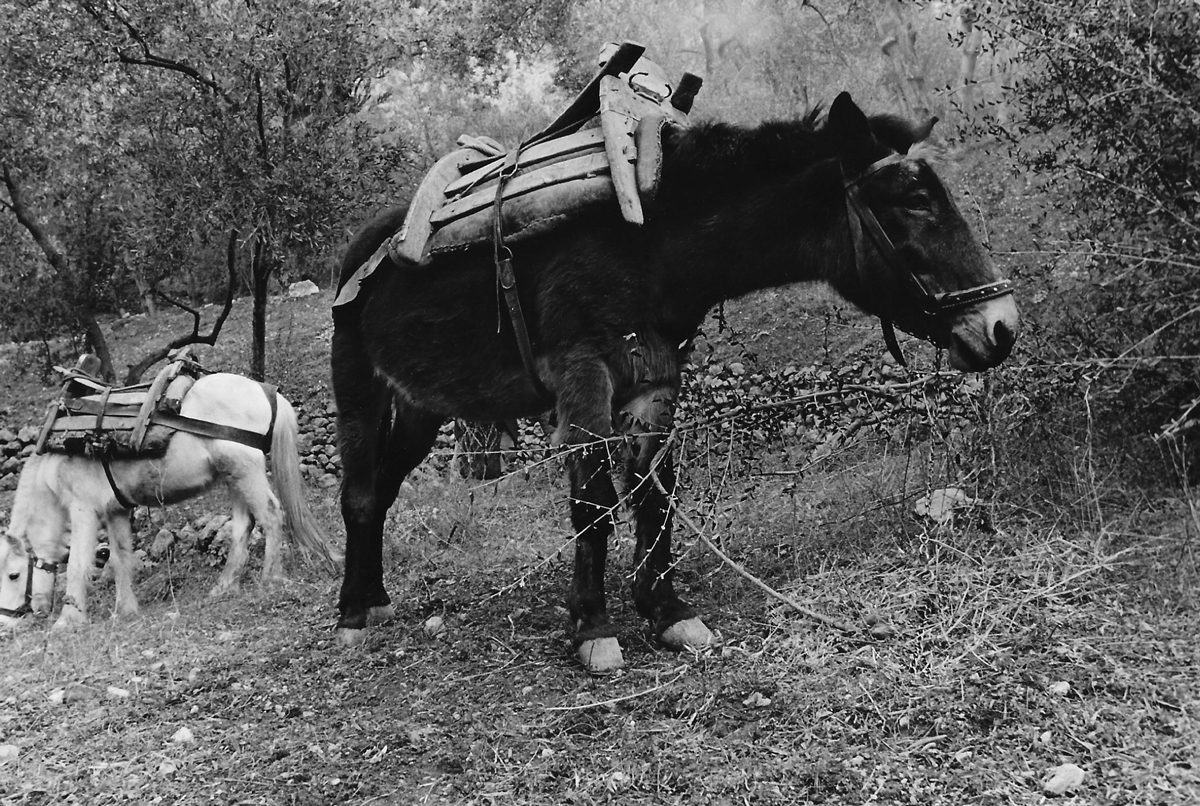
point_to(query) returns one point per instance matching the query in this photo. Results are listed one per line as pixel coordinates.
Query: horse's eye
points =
(14, 576)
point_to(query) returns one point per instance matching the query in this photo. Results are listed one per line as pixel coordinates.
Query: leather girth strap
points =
(229, 433)
(506, 278)
(122, 499)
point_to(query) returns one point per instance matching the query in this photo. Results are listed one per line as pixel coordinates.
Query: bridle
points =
(934, 305)
(26, 607)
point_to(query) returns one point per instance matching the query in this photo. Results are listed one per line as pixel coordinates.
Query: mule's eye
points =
(919, 202)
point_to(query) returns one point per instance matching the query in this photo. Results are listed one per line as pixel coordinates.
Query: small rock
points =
(9, 752)
(881, 631)
(183, 736)
(304, 288)
(1062, 780)
(167, 768)
(1059, 688)
(117, 693)
(757, 700)
(435, 626)
(57, 696)
(162, 542)
(78, 693)
(940, 506)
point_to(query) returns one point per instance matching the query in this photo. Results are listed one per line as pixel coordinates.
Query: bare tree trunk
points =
(61, 265)
(898, 44)
(972, 44)
(261, 267)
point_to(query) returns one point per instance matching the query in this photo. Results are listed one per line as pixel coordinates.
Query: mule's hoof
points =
(687, 634)
(380, 614)
(349, 637)
(601, 655)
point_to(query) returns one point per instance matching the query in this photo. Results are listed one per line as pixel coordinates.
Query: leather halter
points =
(934, 305)
(26, 607)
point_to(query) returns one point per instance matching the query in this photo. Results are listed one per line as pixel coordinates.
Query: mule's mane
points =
(715, 158)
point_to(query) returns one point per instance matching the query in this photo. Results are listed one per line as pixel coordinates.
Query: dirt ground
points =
(988, 656)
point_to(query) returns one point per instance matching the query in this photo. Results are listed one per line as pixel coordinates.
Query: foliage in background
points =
(1107, 131)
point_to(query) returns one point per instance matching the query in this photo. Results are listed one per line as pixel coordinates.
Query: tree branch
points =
(149, 58)
(27, 219)
(137, 370)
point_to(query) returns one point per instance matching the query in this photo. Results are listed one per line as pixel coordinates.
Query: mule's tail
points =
(285, 470)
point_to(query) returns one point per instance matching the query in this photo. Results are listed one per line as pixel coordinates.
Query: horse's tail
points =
(285, 470)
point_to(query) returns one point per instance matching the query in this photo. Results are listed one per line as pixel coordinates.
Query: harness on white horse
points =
(26, 607)
(203, 428)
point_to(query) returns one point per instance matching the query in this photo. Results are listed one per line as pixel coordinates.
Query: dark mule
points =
(611, 306)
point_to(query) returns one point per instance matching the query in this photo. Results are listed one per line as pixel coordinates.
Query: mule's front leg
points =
(593, 502)
(84, 526)
(650, 473)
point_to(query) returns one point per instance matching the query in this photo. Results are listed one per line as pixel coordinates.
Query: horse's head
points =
(26, 585)
(916, 262)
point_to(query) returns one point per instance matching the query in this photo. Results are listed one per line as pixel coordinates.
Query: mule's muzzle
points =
(983, 336)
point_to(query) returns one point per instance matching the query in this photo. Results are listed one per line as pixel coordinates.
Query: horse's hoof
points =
(687, 634)
(125, 610)
(223, 589)
(380, 614)
(349, 637)
(69, 620)
(601, 655)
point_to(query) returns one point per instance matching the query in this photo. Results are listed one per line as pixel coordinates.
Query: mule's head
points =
(916, 262)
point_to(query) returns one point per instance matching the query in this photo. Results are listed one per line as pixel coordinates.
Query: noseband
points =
(934, 306)
(26, 607)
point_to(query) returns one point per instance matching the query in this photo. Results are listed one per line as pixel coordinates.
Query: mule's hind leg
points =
(377, 450)
(648, 419)
(120, 535)
(412, 434)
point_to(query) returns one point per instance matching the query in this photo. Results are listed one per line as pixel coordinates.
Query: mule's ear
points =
(851, 130)
(900, 134)
(922, 131)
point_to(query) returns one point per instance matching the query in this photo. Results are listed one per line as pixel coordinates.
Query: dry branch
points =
(137, 370)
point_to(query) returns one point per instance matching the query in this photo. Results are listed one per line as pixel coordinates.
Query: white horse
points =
(57, 492)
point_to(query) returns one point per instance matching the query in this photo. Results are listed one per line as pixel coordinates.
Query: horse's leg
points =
(84, 526)
(235, 560)
(648, 419)
(120, 536)
(263, 505)
(585, 418)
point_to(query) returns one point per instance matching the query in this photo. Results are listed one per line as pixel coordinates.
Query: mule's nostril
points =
(1003, 336)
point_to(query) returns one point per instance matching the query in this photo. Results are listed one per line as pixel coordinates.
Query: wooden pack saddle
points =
(606, 144)
(93, 418)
